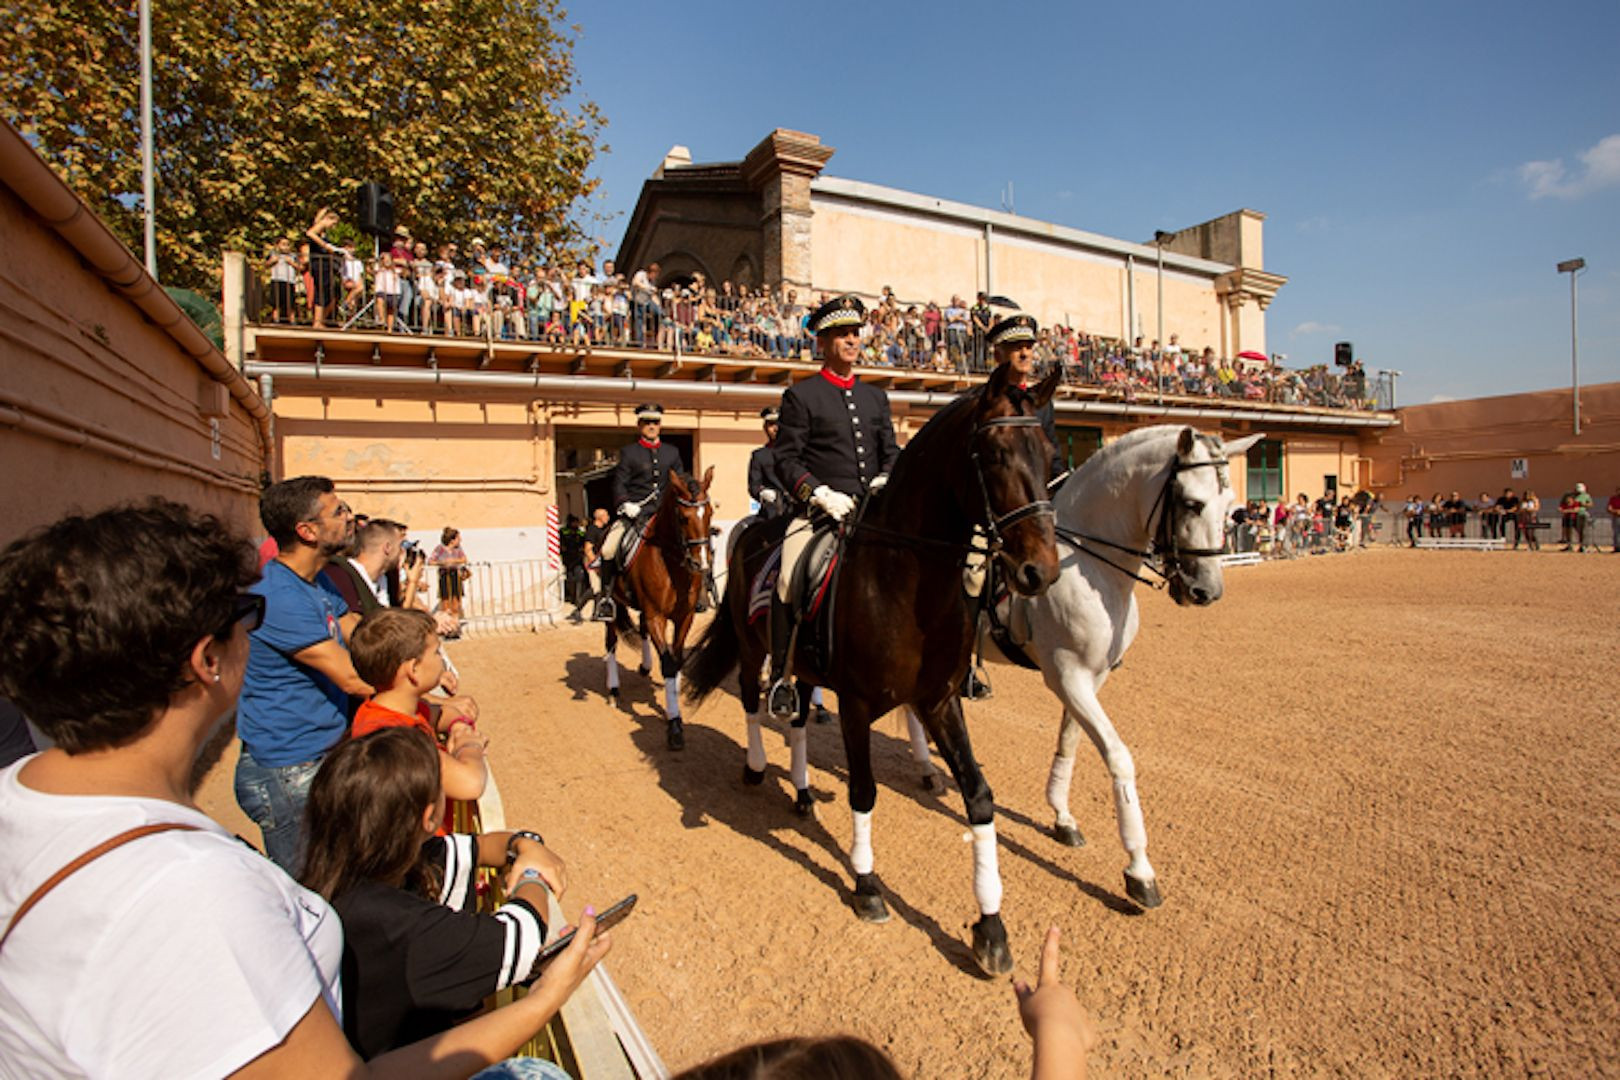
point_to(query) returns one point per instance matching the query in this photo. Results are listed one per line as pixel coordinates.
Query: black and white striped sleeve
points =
(525, 933)
(457, 858)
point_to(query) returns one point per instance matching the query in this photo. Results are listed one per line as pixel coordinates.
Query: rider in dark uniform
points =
(763, 486)
(1012, 342)
(638, 483)
(835, 444)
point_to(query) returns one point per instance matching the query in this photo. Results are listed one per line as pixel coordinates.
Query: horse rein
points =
(1164, 547)
(994, 526)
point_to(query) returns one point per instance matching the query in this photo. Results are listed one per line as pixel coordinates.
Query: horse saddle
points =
(812, 578)
(634, 534)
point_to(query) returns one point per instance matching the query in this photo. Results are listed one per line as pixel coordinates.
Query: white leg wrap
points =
(1057, 787)
(1132, 832)
(613, 671)
(986, 874)
(672, 697)
(756, 744)
(646, 654)
(860, 852)
(816, 699)
(801, 758)
(919, 743)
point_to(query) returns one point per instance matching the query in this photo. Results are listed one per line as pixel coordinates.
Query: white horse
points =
(1156, 498)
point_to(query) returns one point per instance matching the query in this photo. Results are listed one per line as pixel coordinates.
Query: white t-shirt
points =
(177, 954)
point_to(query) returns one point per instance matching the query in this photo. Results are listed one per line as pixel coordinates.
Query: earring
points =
(216, 676)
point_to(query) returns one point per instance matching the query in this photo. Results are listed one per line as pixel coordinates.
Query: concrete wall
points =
(98, 405)
(1470, 446)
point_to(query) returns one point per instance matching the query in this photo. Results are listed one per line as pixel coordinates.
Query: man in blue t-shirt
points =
(294, 704)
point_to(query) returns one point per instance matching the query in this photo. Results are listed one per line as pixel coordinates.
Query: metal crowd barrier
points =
(517, 594)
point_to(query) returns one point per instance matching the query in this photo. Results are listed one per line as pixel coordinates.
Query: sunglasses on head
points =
(248, 609)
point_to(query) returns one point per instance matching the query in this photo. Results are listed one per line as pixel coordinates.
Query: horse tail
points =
(625, 625)
(714, 657)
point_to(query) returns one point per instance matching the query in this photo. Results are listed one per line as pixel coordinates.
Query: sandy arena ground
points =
(1380, 793)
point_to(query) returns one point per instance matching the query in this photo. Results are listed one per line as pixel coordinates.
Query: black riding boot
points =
(782, 700)
(605, 610)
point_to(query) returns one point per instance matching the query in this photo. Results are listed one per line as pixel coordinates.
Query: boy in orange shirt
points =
(397, 651)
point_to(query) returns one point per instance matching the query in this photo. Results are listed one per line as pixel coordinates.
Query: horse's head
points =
(693, 515)
(1013, 458)
(1190, 533)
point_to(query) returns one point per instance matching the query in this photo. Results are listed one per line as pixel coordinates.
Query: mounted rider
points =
(1012, 342)
(763, 486)
(639, 481)
(834, 445)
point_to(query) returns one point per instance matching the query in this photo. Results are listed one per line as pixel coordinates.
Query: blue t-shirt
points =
(289, 712)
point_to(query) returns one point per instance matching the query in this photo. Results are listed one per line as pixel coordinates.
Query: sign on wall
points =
(1520, 467)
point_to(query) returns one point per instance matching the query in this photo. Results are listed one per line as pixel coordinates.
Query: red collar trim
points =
(843, 383)
(1023, 386)
(649, 445)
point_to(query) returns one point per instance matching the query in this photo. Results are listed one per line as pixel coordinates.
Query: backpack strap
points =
(84, 860)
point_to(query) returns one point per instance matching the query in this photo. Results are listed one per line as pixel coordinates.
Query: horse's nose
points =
(1030, 579)
(1203, 594)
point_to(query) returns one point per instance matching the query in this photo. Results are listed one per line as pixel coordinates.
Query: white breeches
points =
(798, 538)
(614, 537)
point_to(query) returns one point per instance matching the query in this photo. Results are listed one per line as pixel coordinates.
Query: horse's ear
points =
(1241, 446)
(1048, 386)
(708, 477)
(1186, 441)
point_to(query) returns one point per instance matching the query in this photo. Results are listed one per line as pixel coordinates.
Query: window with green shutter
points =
(1265, 470)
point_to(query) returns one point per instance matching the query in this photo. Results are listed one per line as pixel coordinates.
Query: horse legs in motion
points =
(653, 631)
(1081, 711)
(799, 768)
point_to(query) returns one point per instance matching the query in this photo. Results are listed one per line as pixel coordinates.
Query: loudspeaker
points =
(1343, 354)
(374, 210)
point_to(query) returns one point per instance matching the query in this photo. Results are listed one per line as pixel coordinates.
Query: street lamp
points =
(1161, 238)
(1572, 267)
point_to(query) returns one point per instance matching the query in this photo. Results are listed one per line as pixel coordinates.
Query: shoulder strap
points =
(83, 860)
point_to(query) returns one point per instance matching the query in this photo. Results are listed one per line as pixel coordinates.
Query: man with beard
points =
(294, 703)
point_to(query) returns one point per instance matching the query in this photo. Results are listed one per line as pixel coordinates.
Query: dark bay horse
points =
(664, 582)
(901, 624)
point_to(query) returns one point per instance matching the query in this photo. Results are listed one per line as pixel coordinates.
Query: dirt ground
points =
(1380, 793)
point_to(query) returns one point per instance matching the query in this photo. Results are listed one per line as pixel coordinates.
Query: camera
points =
(412, 551)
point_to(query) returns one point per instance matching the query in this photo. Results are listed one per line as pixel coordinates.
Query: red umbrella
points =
(1250, 354)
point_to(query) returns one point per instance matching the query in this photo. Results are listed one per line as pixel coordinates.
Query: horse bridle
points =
(995, 526)
(688, 542)
(1164, 547)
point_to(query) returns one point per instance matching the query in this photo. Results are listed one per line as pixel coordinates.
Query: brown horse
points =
(901, 626)
(663, 582)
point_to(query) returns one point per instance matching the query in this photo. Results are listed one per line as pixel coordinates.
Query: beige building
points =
(772, 218)
(108, 392)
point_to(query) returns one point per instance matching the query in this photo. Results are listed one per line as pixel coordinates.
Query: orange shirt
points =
(372, 717)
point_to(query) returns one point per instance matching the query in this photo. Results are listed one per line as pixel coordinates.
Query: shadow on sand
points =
(705, 780)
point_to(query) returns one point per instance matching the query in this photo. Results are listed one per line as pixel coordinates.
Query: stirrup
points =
(605, 611)
(975, 687)
(783, 700)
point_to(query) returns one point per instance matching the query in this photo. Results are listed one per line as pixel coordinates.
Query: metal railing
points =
(518, 594)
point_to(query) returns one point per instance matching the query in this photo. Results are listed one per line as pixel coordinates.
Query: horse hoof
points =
(752, 778)
(677, 735)
(803, 803)
(1145, 894)
(643, 671)
(869, 905)
(823, 716)
(1068, 835)
(933, 783)
(990, 949)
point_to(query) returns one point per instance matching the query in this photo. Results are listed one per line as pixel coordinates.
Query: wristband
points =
(528, 877)
(521, 834)
(463, 720)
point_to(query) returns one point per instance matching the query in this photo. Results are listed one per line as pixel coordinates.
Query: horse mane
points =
(918, 447)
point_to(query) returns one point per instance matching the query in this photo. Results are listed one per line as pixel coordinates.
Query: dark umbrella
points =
(1002, 301)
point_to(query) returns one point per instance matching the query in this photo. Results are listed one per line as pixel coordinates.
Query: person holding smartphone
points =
(417, 955)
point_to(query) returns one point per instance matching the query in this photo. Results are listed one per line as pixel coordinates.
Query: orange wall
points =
(77, 355)
(1468, 446)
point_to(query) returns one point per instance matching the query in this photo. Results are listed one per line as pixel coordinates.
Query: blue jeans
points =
(523, 1068)
(274, 797)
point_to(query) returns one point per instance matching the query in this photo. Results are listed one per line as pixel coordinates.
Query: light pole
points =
(1572, 267)
(1161, 238)
(148, 211)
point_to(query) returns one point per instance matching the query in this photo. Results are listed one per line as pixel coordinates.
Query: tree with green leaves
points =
(265, 110)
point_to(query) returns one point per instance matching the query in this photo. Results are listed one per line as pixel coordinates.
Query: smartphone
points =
(606, 921)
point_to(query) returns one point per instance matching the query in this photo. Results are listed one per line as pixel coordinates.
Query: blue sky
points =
(1422, 166)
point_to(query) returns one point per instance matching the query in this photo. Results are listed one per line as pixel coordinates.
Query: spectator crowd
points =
(482, 292)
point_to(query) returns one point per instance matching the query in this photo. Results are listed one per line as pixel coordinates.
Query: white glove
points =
(629, 509)
(767, 495)
(878, 482)
(836, 504)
